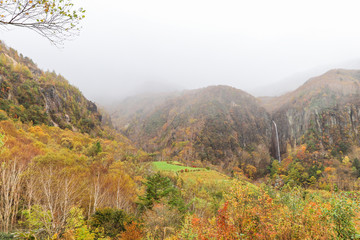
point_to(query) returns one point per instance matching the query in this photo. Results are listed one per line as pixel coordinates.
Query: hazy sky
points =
(129, 45)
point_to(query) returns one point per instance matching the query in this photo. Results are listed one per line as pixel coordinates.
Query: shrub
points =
(3, 116)
(4, 236)
(111, 221)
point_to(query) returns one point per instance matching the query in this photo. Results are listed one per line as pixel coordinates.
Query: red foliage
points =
(225, 229)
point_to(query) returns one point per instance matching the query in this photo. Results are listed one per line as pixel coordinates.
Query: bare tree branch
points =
(56, 20)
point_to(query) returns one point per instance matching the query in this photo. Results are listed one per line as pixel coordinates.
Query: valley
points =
(195, 164)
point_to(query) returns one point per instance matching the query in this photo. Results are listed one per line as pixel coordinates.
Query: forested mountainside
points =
(323, 113)
(217, 125)
(224, 126)
(32, 95)
(59, 184)
(204, 149)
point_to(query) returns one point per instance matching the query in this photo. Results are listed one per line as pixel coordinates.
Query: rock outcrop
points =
(323, 113)
(31, 95)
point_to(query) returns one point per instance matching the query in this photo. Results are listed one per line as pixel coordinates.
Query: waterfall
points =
(277, 140)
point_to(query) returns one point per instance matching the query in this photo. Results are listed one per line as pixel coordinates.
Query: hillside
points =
(227, 127)
(218, 125)
(137, 107)
(319, 92)
(323, 112)
(206, 164)
(34, 96)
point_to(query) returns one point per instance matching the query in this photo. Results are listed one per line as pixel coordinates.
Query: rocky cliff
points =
(31, 95)
(323, 113)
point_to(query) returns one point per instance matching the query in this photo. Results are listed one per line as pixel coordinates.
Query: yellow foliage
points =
(346, 161)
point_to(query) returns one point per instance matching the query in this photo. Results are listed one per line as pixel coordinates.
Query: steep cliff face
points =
(31, 95)
(323, 113)
(218, 124)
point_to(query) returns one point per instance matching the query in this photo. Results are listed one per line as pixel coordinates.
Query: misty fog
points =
(264, 47)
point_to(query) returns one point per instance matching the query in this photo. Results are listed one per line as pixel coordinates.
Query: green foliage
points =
(3, 116)
(83, 233)
(2, 140)
(187, 230)
(342, 213)
(76, 218)
(274, 167)
(300, 168)
(356, 165)
(95, 149)
(160, 188)
(38, 220)
(111, 221)
(76, 223)
(87, 124)
(164, 166)
(312, 139)
(5, 236)
(344, 146)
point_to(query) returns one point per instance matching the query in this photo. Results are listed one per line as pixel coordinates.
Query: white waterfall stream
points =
(277, 141)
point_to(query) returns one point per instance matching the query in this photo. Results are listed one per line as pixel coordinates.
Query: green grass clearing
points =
(164, 166)
(193, 174)
(201, 177)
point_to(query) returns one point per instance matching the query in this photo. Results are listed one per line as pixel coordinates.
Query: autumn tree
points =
(59, 186)
(55, 20)
(10, 186)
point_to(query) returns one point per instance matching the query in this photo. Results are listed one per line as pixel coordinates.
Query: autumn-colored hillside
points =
(227, 127)
(215, 125)
(34, 96)
(332, 88)
(323, 113)
(197, 165)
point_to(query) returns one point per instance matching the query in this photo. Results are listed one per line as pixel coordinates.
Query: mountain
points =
(137, 107)
(292, 82)
(323, 112)
(32, 95)
(226, 126)
(68, 184)
(218, 124)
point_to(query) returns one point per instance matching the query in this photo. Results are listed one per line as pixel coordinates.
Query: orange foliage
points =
(133, 231)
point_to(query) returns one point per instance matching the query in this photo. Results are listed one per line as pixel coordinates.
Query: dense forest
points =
(200, 164)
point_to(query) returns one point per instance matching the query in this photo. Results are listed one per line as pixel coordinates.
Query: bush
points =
(342, 213)
(111, 221)
(4, 236)
(3, 116)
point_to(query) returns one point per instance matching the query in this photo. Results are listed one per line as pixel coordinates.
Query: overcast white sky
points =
(130, 45)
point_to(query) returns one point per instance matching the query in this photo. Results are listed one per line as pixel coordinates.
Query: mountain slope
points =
(31, 95)
(218, 124)
(137, 107)
(323, 112)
